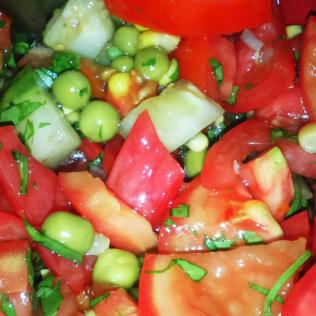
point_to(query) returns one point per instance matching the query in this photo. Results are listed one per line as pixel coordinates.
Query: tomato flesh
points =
(191, 18)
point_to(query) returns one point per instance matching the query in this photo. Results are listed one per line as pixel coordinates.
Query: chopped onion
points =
(251, 40)
(100, 244)
(179, 113)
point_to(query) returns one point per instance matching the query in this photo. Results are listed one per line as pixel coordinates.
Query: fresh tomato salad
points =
(158, 158)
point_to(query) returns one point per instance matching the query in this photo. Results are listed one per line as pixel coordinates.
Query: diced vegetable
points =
(81, 26)
(178, 113)
(307, 137)
(126, 40)
(44, 129)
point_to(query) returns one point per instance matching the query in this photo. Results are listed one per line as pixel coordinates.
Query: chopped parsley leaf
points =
(217, 70)
(2, 24)
(249, 86)
(22, 48)
(29, 131)
(182, 210)
(168, 224)
(6, 306)
(43, 124)
(23, 164)
(65, 61)
(218, 243)
(264, 291)
(193, 271)
(150, 62)
(98, 299)
(232, 99)
(251, 238)
(83, 91)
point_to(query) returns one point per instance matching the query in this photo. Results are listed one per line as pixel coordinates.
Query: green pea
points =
(123, 63)
(126, 39)
(69, 229)
(152, 62)
(116, 267)
(99, 121)
(72, 89)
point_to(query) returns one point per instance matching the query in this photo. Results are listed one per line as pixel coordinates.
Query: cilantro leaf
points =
(65, 61)
(30, 267)
(113, 52)
(52, 244)
(49, 295)
(2, 24)
(264, 291)
(182, 210)
(168, 224)
(6, 306)
(43, 124)
(24, 171)
(175, 75)
(193, 271)
(233, 97)
(98, 299)
(217, 70)
(251, 238)
(22, 48)
(29, 131)
(301, 195)
(15, 113)
(277, 133)
(218, 243)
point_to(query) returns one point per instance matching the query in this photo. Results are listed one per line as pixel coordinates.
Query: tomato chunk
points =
(108, 215)
(225, 288)
(13, 267)
(145, 175)
(191, 18)
(308, 65)
(11, 228)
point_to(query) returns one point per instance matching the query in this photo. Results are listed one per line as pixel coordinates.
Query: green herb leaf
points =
(277, 133)
(2, 24)
(168, 224)
(150, 62)
(301, 195)
(6, 306)
(134, 293)
(16, 113)
(251, 238)
(218, 243)
(49, 295)
(83, 91)
(29, 131)
(232, 99)
(47, 76)
(43, 124)
(24, 171)
(284, 277)
(264, 291)
(52, 244)
(217, 70)
(22, 48)
(193, 271)
(182, 210)
(30, 266)
(98, 299)
(65, 61)
(296, 55)
(11, 62)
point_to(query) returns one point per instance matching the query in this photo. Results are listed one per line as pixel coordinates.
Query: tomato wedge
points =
(191, 18)
(145, 175)
(308, 65)
(11, 227)
(301, 299)
(225, 288)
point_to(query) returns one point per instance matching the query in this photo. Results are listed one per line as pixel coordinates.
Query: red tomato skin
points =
(109, 216)
(77, 277)
(90, 149)
(119, 302)
(191, 18)
(299, 160)
(236, 145)
(69, 305)
(11, 228)
(42, 187)
(268, 80)
(216, 47)
(301, 299)
(13, 267)
(160, 294)
(22, 303)
(308, 65)
(144, 175)
(110, 152)
(297, 226)
(5, 37)
(287, 110)
(296, 12)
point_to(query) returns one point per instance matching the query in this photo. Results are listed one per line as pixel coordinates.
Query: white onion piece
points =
(100, 244)
(251, 40)
(179, 113)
